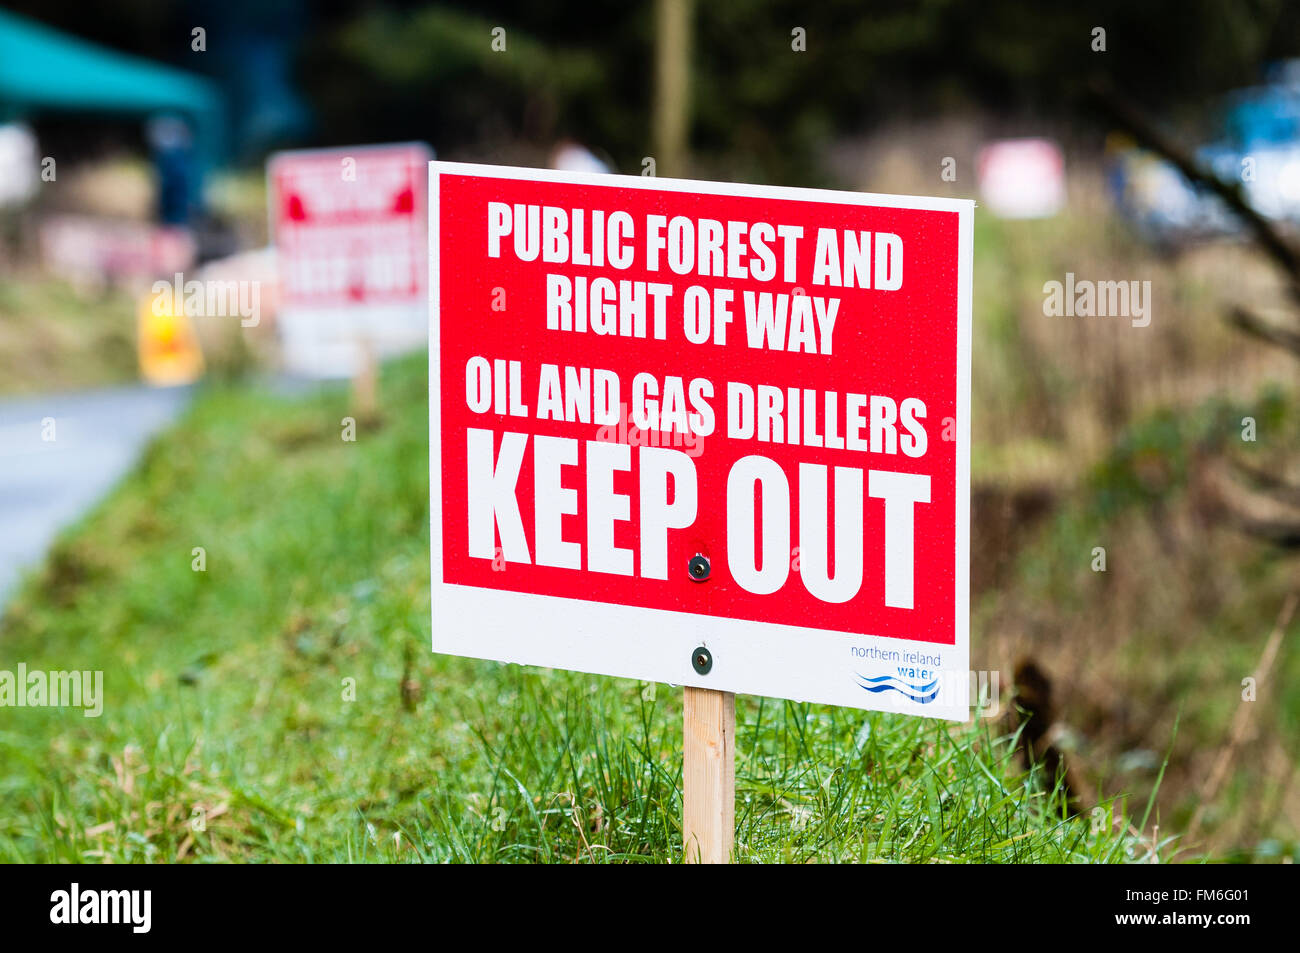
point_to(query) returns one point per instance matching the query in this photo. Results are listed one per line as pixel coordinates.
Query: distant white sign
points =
(18, 164)
(1022, 178)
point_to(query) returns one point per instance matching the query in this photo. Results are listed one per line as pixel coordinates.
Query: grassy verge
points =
(1158, 652)
(228, 732)
(52, 340)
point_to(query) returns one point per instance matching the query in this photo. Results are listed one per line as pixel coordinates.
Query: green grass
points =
(225, 694)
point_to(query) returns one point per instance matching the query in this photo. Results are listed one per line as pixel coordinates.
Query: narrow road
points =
(47, 483)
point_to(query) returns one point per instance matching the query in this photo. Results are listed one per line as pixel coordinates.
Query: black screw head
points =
(702, 660)
(699, 567)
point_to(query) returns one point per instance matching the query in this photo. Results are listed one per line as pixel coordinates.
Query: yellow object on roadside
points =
(169, 347)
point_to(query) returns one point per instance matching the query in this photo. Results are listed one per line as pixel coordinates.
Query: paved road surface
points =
(45, 484)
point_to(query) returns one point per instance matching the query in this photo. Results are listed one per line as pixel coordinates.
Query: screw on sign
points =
(721, 437)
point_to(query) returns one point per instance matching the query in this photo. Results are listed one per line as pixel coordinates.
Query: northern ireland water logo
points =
(916, 684)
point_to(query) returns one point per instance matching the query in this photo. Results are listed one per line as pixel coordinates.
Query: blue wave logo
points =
(921, 694)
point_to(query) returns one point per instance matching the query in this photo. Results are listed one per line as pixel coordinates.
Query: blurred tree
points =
(433, 74)
(761, 107)
(396, 69)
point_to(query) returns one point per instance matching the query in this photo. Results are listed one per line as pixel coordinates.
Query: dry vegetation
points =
(1089, 432)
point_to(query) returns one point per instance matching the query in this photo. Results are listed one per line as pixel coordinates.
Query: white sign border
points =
(782, 661)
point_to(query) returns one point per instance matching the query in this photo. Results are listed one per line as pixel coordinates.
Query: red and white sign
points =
(633, 377)
(349, 226)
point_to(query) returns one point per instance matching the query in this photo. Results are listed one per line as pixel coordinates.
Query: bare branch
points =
(1264, 515)
(1281, 337)
(1145, 130)
(1271, 483)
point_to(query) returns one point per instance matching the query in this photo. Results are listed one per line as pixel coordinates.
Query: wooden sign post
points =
(365, 382)
(708, 740)
(708, 775)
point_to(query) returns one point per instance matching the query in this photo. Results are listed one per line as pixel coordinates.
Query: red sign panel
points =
(672, 414)
(349, 225)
